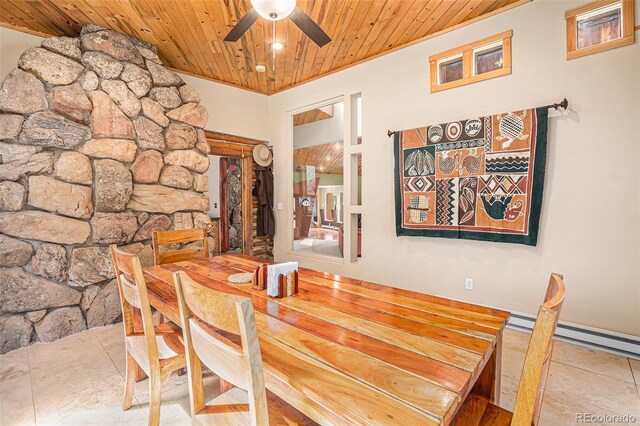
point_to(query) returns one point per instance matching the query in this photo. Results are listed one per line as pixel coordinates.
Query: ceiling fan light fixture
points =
(277, 45)
(274, 10)
(261, 68)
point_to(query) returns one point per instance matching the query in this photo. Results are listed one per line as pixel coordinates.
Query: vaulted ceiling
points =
(327, 158)
(189, 33)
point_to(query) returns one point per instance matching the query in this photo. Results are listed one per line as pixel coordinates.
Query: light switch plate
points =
(279, 206)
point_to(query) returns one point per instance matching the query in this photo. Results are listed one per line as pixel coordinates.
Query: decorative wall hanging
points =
(478, 179)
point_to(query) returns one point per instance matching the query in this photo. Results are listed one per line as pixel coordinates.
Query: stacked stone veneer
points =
(234, 203)
(99, 144)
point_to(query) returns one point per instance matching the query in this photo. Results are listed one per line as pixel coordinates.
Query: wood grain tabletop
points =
(345, 351)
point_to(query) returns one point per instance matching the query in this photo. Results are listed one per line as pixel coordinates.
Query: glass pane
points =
(599, 27)
(356, 117)
(488, 60)
(356, 179)
(450, 70)
(318, 192)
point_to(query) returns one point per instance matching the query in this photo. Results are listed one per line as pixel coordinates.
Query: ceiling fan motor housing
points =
(274, 10)
(277, 10)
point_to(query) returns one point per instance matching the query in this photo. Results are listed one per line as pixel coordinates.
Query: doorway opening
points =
(318, 184)
(232, 204)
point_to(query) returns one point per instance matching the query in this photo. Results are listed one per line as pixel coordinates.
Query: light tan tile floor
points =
(79, 381)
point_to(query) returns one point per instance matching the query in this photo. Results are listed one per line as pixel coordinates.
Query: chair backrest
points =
(133, 295)
(201, 307)
(538, 357)
(176, 237)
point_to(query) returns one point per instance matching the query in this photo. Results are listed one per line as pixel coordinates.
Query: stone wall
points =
(234, 203)
(99, 144)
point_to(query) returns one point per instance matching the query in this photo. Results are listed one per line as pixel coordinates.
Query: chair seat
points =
(231, 408)
(168, 338)
(171, 352)
(478, 411)
(172, 339)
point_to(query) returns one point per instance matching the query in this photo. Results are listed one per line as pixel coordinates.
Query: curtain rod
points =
(564, 104)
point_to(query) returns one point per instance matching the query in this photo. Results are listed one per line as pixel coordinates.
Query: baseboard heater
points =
(604, 340)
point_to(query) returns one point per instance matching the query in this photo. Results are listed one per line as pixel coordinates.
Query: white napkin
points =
(272, 275)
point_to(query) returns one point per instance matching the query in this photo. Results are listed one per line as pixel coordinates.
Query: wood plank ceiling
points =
(313, 115)
(189, 33)
(326, 158)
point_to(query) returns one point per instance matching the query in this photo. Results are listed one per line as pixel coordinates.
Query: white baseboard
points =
(591, 337)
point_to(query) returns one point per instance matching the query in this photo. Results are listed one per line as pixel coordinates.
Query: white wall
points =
(214, 186)
(321, 132)
(590, 224)
(12, 44)
(231, 110)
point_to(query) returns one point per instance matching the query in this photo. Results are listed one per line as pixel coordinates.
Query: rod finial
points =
(565, 103)
(562, 104)
(390, 133)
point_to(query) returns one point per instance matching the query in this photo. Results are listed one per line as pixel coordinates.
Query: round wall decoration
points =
(472, 127)
(454, 130)
(434, 133)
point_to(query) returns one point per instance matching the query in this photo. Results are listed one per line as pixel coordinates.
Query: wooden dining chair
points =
(156, 350)
(210, 320)
(477, 410)
(178, 236)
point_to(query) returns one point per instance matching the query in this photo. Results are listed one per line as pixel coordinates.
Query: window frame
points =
(449, 60)
(483, 49)
(627, 30)
(467, 52)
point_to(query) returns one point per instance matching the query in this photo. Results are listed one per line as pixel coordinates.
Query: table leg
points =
(488, 383)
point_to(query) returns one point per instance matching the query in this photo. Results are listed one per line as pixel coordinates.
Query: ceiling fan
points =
(276, 10)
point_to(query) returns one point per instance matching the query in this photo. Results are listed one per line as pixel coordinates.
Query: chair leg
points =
(130, 380)
(154, 399)
(140, 374)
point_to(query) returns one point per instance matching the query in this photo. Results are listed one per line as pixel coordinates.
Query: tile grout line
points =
(113, 362)
(634, 377)
(33, 400)
(597, 403)
(166, 388)
(598, 373)
(595, 372)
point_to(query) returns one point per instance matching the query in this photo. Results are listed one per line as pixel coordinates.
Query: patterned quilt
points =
(478, 179)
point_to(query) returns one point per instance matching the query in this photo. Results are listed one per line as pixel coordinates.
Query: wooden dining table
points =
(346, 351)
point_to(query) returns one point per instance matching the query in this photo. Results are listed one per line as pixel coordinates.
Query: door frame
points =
(226, 145)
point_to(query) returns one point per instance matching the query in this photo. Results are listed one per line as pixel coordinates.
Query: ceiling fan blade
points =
(242, 26)
(309, 27)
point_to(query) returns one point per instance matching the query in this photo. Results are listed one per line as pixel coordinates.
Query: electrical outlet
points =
(468, 283)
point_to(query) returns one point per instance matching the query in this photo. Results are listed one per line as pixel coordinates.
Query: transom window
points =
(481, 60)
(599, 26)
